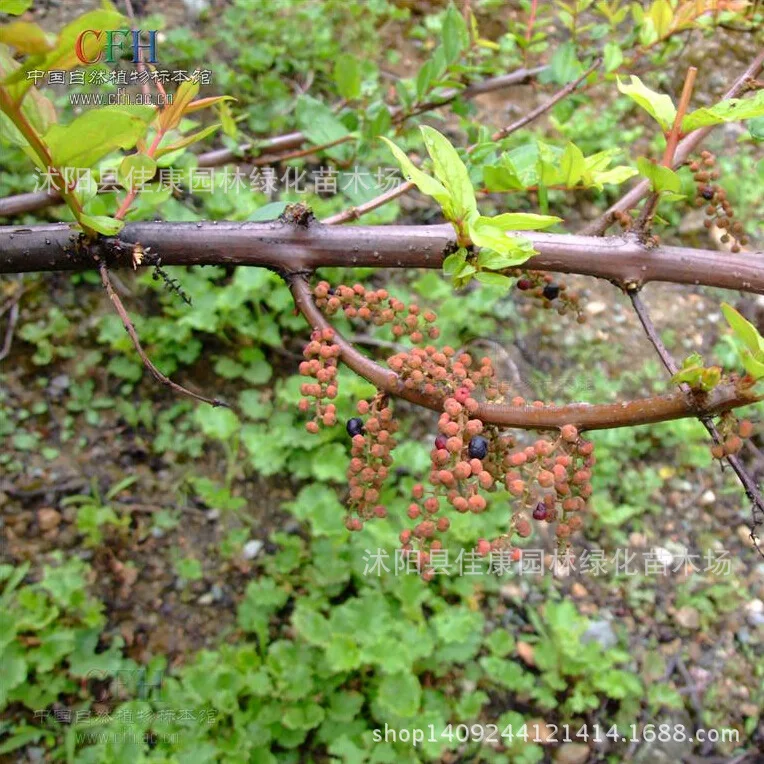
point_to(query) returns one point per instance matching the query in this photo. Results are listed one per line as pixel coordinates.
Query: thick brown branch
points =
(588, 417)
(622, 260)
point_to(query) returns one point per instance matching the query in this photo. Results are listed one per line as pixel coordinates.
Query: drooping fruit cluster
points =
(710, 194)
(372, 444)
(551, 294)
(377, 307)
(548, 481)
(732, 432)
(321, 355)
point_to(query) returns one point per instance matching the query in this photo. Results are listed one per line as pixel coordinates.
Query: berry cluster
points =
(549, 481)
(321, 355)
(711, 195)
(372, 444)
(550, 293)
(733, 432)
(377, 307)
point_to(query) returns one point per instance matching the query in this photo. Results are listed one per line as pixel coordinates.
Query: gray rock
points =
(252, 549)
(602, 632)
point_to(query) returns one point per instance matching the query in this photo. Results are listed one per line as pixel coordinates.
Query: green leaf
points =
(38, 109)
(756, 128)
(205, 103)
(400, 694)
(269, 211)
(658, 105)
(494, 279)
(423, 78)
(753, 365)
(613, 56)
(25, 37)
(170, 117)
(347, 76)
(14, 670)
(64, 55)
(661, 178)
(136, 170)
(564, 65)
(187, 140)
(661, 14)
(452, 173)
(317, 121)
(514, 250)
(744, 330)
(522, 221)
(502, 176)
(732, 110)
(572, 165)
(103, 224)
(453, 263)
(15, 7)
(454, 34)
(424, 182)
(95, 134)
(217, 422)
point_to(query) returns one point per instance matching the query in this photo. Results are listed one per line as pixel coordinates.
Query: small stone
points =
(579, 590)
(217, 592)
(708, 497)
(602, 632)
(755, 613)
(572, 753)
(252, 549)
(206, 599)
(525, 651)
(595, 308)
(511, 592)
(744, 534)
(687, 617)
(48, 518)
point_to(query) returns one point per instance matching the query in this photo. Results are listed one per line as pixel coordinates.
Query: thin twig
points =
(746, 479)
(128, 324)
(546, 106)
(13, 318)
(672, 140)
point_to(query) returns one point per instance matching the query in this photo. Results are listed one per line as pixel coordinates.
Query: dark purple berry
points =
(540, 512)
(440, 442)
(355, 426)
(551, 291)
(478, 447)
(524, 284)
(707, 193)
